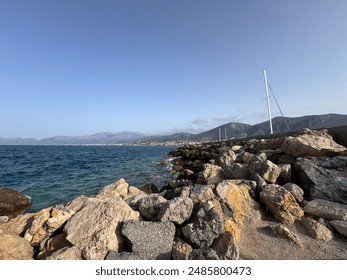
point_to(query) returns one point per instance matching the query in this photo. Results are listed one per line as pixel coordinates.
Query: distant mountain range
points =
(229, 130)
(102, 138)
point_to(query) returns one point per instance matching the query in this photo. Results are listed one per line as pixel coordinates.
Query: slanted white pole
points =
(268, 101)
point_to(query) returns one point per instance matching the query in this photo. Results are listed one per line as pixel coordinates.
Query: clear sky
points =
(78, 67)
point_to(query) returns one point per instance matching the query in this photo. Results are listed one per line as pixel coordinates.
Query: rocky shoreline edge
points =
(230, 201)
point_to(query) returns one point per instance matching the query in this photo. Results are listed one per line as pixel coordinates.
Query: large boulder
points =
(324, 178)
(150, 240)
(281, 203)
(326, 209)
(95, 229)
(314, 144)
(14, 247)
(12, 203)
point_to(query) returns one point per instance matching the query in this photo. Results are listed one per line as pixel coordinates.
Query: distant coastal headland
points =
(277, 198)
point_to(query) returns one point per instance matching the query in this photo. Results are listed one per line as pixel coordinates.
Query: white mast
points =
(268, 101)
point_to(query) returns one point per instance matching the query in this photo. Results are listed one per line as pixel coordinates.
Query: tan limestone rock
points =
(118, 188)
(14, 247)
(281, 203)
(311, 144)
(94, 230)
(316, 230)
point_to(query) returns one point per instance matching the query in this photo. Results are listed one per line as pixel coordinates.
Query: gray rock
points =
(153, 240)
(326, 209)
(340, 226)
(177, 210)
(149, 206)
(295, 190)
(324, 178)
(207, 226)
(203, 254)
(12, 203)
(316, 230)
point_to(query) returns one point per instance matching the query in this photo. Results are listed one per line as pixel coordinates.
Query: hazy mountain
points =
(101, 138)
(233, 129)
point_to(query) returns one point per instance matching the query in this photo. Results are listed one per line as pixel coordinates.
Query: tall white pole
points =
(268, 101)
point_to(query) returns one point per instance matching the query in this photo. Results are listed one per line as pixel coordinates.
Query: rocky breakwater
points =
(222, 190)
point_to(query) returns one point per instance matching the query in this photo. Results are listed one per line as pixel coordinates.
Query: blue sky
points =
(77, 67)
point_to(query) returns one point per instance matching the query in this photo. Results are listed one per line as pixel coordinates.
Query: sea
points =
(52, 175)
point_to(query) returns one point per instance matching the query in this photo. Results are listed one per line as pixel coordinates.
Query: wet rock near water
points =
(12, 203)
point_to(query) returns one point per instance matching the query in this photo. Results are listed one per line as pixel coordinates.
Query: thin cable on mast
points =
(279, 108)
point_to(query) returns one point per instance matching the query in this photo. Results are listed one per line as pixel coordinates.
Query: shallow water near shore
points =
(52, 175)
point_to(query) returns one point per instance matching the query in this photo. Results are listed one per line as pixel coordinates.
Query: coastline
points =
(244, 200)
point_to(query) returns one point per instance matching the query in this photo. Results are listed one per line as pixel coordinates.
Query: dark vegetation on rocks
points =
(231, 200)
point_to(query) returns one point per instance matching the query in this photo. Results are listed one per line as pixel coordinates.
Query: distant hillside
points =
(236, 130)
(296, 124)
(229, 130)
(240, 130)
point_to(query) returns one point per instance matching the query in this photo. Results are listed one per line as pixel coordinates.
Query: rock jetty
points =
(292, 191)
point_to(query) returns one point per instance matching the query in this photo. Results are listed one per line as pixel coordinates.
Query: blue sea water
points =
(52, 175)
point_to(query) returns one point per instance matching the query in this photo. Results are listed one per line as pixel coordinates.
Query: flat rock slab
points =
(326, 209)
(324, 178)
(152, 240)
